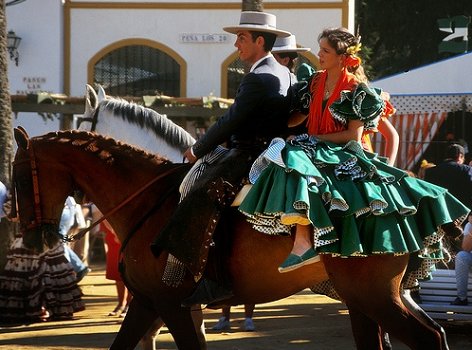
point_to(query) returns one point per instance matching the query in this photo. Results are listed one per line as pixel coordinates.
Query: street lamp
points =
(13, 41)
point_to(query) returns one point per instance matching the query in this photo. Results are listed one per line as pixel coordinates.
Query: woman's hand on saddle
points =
(190, 156)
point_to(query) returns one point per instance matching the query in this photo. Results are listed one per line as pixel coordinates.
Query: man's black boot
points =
(207, 292)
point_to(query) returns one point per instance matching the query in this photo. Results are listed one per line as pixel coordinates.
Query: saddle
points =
(188, 235)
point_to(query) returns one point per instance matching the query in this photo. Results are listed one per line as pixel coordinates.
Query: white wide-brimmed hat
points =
(287, 44)
(257, 21)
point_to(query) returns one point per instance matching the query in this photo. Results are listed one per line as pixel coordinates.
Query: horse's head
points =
(134, 124)
(39, 210)
(92, 99)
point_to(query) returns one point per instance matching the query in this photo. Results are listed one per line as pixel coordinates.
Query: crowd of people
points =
(37, 286)
(312, 128)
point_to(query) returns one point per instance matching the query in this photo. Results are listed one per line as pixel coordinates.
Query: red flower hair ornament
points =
(352, 60)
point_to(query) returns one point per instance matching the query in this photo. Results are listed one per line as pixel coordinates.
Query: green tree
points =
(401, 35)
(252, 5)
(6, 138)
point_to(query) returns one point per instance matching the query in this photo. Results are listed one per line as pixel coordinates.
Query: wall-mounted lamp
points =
(13, 41)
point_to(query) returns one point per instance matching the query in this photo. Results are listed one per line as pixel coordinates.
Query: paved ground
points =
(301, 322)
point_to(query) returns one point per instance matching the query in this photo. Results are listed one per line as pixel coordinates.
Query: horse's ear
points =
(21, 137)
(24, 130)
(91, 99)
(101, 93)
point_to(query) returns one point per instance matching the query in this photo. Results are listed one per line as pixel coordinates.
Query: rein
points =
(82, 232)
(39, 220)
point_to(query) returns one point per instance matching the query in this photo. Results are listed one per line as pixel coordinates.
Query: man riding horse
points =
(259, 114)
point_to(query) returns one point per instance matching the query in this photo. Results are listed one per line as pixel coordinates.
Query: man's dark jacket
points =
(259, 111)
(457, 178)
(258, 114)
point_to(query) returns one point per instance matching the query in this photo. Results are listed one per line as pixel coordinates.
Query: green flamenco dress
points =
(357, 204)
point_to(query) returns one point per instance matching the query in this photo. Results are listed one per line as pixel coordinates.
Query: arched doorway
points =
(138, 67)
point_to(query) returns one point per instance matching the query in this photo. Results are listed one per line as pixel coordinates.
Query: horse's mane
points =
(147, 118)
(104, 147)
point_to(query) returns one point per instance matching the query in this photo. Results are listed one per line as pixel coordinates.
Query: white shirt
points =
(259, 61)
(3, 198)
(468, 229)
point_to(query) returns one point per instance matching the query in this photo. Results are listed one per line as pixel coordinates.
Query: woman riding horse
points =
(49, 167)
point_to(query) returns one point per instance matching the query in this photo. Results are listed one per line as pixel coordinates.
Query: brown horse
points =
(50, 167)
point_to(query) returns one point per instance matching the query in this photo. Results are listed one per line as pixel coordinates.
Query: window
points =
(137, 70)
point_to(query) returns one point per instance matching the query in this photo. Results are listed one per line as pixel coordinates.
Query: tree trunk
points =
(253, 5)
(6, 135)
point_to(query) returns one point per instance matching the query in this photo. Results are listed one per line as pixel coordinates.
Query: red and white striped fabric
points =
(417, 120)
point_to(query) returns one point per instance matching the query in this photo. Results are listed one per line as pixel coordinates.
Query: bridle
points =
(38, 215)
(93, 120)
(39, 220)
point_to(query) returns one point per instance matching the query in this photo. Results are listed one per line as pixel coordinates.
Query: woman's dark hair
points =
(340, 39)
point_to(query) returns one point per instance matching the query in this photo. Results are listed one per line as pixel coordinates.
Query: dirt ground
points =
(303, 322)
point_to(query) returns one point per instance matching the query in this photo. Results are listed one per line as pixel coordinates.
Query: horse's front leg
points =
(148, 340)
(186, 326)
(136, 323)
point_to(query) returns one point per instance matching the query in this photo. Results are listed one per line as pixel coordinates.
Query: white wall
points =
(94, 25)
(40, 68)
(94, 29)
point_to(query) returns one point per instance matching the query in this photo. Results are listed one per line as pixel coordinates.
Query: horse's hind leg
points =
(372, 286)
(367, 333)
(400, 322)
(422, 315)
(137, 321)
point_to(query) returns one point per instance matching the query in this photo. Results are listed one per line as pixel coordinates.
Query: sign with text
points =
(457, 40)
(208, 38)
(32, 85)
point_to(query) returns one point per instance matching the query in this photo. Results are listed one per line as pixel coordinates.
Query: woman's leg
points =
(463, 264)
(302, 240)
(248, 322)
(223, 322)
(121, 292)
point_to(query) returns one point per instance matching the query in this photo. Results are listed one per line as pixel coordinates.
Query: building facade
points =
(135, 48)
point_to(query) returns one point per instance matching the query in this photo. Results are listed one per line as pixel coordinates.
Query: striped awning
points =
(417, 120)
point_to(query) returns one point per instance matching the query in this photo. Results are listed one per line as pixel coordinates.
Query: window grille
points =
(137, 70)
(236, 72)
